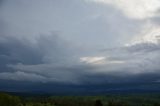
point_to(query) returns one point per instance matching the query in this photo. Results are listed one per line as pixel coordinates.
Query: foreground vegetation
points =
(108, 100)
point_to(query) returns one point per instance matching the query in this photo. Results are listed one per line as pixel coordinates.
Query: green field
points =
(107, 100)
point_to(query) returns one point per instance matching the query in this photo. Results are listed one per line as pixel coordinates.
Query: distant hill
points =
(90, 89)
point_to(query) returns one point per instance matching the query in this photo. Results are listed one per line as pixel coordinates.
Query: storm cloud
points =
(79, 41)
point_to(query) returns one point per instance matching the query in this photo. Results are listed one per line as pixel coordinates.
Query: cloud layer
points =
(138, 9)
(80, 41)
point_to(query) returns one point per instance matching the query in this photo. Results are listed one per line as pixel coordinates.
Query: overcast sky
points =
(80, 41)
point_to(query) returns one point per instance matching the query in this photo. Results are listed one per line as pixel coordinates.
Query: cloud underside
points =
(106, 42)
(43, 64)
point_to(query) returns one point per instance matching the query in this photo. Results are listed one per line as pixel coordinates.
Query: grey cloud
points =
(43, 49)
(1, 2)
(48, 58)
(21, 76)
(139, 60)
(53, 73)
(18, 51)
(79, 29)
(143, 47)
(156, 19)
(89, 24)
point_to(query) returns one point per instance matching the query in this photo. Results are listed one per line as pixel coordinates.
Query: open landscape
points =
(105, 100)
(79, 52)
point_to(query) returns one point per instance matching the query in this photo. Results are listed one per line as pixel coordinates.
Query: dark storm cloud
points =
(20, 51)
(25, 51)
(48, 59)
(69, 54)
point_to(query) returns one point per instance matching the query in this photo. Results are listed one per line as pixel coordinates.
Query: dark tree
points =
(98, 103)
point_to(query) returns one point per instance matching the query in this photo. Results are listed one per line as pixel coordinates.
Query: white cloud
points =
(138, 9)
(148, 35)
(93, 60)
(99, 60)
